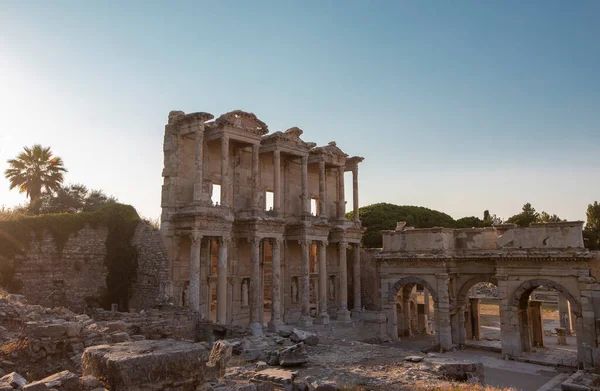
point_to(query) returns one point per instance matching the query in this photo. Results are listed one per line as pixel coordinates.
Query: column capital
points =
(324, 243)
(343, 245)
(304, 242)
(195, 236)
(225, 240)
(276, 241)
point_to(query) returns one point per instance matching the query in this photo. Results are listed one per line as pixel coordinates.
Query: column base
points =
(274, 325)
(255, 329)
(305, 321)
(343, 316)
(356, 314)
(322, 318)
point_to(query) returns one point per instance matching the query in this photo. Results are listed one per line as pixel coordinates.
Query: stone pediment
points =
(242, 120)
(290, 136)
(330, 149)
(179, 117)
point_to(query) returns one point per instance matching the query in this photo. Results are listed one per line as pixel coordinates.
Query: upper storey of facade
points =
(539, 239)
(233, 167)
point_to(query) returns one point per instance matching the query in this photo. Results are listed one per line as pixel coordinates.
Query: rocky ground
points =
(56, 349)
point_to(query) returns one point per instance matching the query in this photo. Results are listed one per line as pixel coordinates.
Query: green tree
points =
(35, 171)
(591, 234)
(73, 199)
(527, 216)
(547, 218)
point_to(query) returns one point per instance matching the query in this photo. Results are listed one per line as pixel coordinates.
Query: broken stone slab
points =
(315, 384)
(13, 380)
(220, 355)
(65, 380)
(36, 386)
(148, 364)
(413, 358)
(275, 378)
(457, 370)
(307, 337)
(41, 330)
(294, 355)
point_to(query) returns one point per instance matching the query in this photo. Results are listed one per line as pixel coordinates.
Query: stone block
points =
(307, 337)
(142, 365)
(36, 386)
(13, 380)
(294, 355)
(65, 380)
(220, 355)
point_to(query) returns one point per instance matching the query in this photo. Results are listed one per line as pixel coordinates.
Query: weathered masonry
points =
(447, 263)
(255, 223)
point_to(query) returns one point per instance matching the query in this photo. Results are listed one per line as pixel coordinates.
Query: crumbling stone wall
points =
(75, 276)
(369, 279)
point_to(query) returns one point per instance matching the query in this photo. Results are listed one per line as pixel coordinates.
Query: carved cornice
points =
(242, 120)
(290, 136)
(329, 149)
(180, 118)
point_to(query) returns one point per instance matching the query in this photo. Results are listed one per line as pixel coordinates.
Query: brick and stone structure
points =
(273, 243)
(447, 263)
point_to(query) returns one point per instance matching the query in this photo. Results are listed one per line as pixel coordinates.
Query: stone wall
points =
(75, 277)
(369, 280)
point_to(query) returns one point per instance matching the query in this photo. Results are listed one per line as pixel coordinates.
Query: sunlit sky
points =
(458, 106)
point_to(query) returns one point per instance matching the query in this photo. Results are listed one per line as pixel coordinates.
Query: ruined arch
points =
(464, 289)
(521, 295)
(411, 280)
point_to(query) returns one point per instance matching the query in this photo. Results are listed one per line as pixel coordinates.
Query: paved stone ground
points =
(522, 376)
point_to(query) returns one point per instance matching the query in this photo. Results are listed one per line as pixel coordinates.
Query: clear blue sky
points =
(458, 106)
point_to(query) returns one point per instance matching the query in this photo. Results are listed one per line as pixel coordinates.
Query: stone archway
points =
(519, 338)
(463, 309)
(393, 293)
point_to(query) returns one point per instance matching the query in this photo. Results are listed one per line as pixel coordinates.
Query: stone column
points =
(475, 321)
(277, 182)
(426, 302)
(356, 277)
(276, 319)
(254, 295)
(306, 319)
(537, 325)
(564, 314)
(194, 292)
(343, 314)
(322, 192)
(199, 163)
(304, 181)
(392, 321)
(443, 312)
(341, 195)
(225, 171)
(355, 193)
(222, 281)
(406, 313)
(460, 330)
(323, 317)
(255, 176)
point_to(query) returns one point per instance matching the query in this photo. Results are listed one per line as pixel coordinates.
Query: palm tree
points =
(35, 170)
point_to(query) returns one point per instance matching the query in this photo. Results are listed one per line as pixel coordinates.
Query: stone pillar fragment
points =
(564, 314)
(304, 183)
(475, 318)
(406, 330)
(199, 163)
(277, 182)
(255, 176)
(427, 310)
(341, 195)
(355, 193)
(356, 278)
(343, 314)
(306, 319)
(322, 191)
(276, 319)
(222, 281)
(536, 324)
(225, 171)
(255, 286)
(194, 292)
(442, 313)
(323, 317)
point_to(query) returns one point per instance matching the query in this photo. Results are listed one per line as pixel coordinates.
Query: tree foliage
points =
(34, 171)
(529, 215)
(384, 216)
(73, 199)
(591, 234)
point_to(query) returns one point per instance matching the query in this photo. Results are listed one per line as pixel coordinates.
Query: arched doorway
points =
(478, 311)
(529, 333)
(410, 300)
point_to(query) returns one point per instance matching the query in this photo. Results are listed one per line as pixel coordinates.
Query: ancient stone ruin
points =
(275, 243)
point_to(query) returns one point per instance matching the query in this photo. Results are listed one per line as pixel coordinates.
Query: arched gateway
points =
(515, 261)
